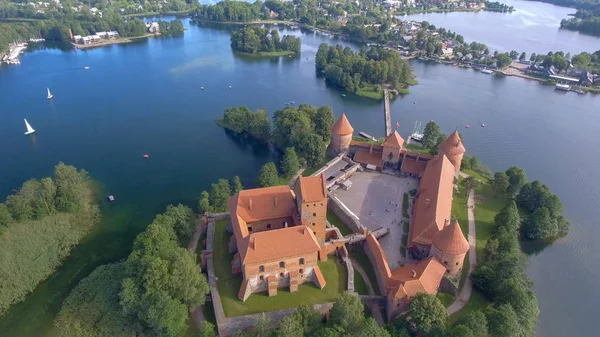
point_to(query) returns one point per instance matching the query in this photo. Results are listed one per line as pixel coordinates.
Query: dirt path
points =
(467, 290)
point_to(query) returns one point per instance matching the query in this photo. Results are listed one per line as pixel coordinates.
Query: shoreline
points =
(104, 43)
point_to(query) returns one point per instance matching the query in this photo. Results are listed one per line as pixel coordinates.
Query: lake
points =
(145, 97)
(533, 28)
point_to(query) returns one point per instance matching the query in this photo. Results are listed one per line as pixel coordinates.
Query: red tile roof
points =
(278, 244)
(451, 240)
(452, 145)
(394, 140)
(434, 201)
(364, 157)
(313, 188)
(413, 166)
(342, 127)
(424, 276)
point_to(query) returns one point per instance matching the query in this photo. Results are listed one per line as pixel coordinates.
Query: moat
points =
(145, 97)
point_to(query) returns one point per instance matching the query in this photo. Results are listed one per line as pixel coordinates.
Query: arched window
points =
(281, 264)
(301, 271)
(445, 262)
(262, 277)
(268, 226)
(261, 269)
(314, 214)
(456, 263)
(281, 275)
(301, 260)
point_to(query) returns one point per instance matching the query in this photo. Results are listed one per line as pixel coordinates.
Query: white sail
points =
(30, 130)
(49, 94)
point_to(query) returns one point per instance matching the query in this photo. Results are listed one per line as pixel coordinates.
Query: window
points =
(281, 275)
(447, 271)
(445, 262)
(301, 271)
(315, 205)
(282, 264)
(262, 277)
(268, 226)
(301, 260)
(321, 204)
(315, 233)
(456, 264)
(261, 269)
(314, 224)
(249, 229)
(307, 205)
(314, 214)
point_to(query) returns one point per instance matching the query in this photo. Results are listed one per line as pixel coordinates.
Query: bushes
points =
(38, 227)
(405, 206)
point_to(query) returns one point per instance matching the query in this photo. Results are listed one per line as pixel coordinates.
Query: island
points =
(257, 41)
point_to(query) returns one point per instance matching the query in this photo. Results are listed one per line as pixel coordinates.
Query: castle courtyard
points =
(376, 199)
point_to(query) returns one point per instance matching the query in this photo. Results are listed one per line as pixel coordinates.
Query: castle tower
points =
(341, 136)
(311, 200)
(449, 246)
(391, 149)
(453, 148)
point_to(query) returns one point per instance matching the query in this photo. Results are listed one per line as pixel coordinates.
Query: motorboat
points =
(486, 71)
(146, 155)
(111, 198)
(482, 125)
(467, 126)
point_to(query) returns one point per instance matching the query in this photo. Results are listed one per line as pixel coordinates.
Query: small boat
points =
(287, 103)
(343, 95)
(111, 198)
(86, 67)
(482, 125)
(201, 88)
(563, 87)
(30, 130)
(581, 92)
(146, 155)
(229, 87)
(467, 126)
(486, 71)
(292, 102)
(414, 102)
(397, 124)
(49, 94)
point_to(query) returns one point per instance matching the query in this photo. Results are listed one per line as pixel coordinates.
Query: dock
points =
(387, 112)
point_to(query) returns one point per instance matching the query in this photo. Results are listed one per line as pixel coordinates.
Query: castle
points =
(280, 233)
(436, 243)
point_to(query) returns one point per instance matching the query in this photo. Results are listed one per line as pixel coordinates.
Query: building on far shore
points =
(436, 244)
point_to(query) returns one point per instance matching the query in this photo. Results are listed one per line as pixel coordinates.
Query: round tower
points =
(341, 136)
(449, 246)
(453, 148)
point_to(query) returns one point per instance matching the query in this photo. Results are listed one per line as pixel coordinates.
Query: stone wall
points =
(381, 276)
(220, 216)
(348, 218)
(448, 286)
(326, 166)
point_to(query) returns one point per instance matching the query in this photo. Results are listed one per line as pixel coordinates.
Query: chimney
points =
(285, 224)
(413, 274)
(254, 242)
(446, 222)
(304, 230)
(427, 201)
(250, 203)
(276, 200)
(371, 148)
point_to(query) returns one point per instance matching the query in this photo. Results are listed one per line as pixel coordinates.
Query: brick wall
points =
(347, 217)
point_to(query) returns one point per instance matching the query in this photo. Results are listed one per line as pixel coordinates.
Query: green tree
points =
(290, 162)
(323, 122)
(313, 149)
(370, 328)
(516, 179)
(347, 313)
(476, 321)
(428, 312)
(522, 57)
(500, 183)
(268, 175)
(70, 185)
(262, 327)
(509, 217)
(290, 326)
(503, 322)
(459, 331)
(207, 330)
(181, 219)
(5, 216)
(237, 185)
(581, 60)
(219, 194)
(533, 57)
(430, 135)
(540, 225)
(309, 317)
(204, 203)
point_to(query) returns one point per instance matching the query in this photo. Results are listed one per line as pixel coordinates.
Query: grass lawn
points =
(357, 254)
(459, 207)
(371, 91)
(337, 222)
(312, 169)
(359, 284)
(445, 298)
(307, 293)
(416, 148)
(485, 211)
(476, 302)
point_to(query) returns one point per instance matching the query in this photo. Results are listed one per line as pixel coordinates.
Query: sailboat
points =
(30, 130)
(49, 94)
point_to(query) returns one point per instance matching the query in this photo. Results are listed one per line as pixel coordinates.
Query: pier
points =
(387, 113)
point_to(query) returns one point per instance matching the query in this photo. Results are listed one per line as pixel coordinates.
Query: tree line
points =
(151, 293)
(254, 39)
(344, 68)
(173, 27)
(306, 128)
(39, 225)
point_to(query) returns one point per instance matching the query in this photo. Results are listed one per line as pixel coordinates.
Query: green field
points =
(307, 293)
(357, 254)
(370, 91)
(337, 222)
(359, 284)
(416, 148)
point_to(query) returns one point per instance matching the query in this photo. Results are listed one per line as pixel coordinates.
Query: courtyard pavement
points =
(376, 199)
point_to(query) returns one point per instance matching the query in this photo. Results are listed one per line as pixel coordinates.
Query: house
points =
(549, 72)
(447, 52)
(586, 79)
(279, 236)
(153, 27)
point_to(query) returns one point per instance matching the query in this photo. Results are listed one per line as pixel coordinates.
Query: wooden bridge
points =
(387, 112)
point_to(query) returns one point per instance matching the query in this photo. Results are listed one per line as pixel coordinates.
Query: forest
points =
(151, 293)
(257, 40)
(352, 71)
(39, 225)
(306, 128)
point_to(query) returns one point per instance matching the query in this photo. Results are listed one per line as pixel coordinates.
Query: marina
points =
(15, 51)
